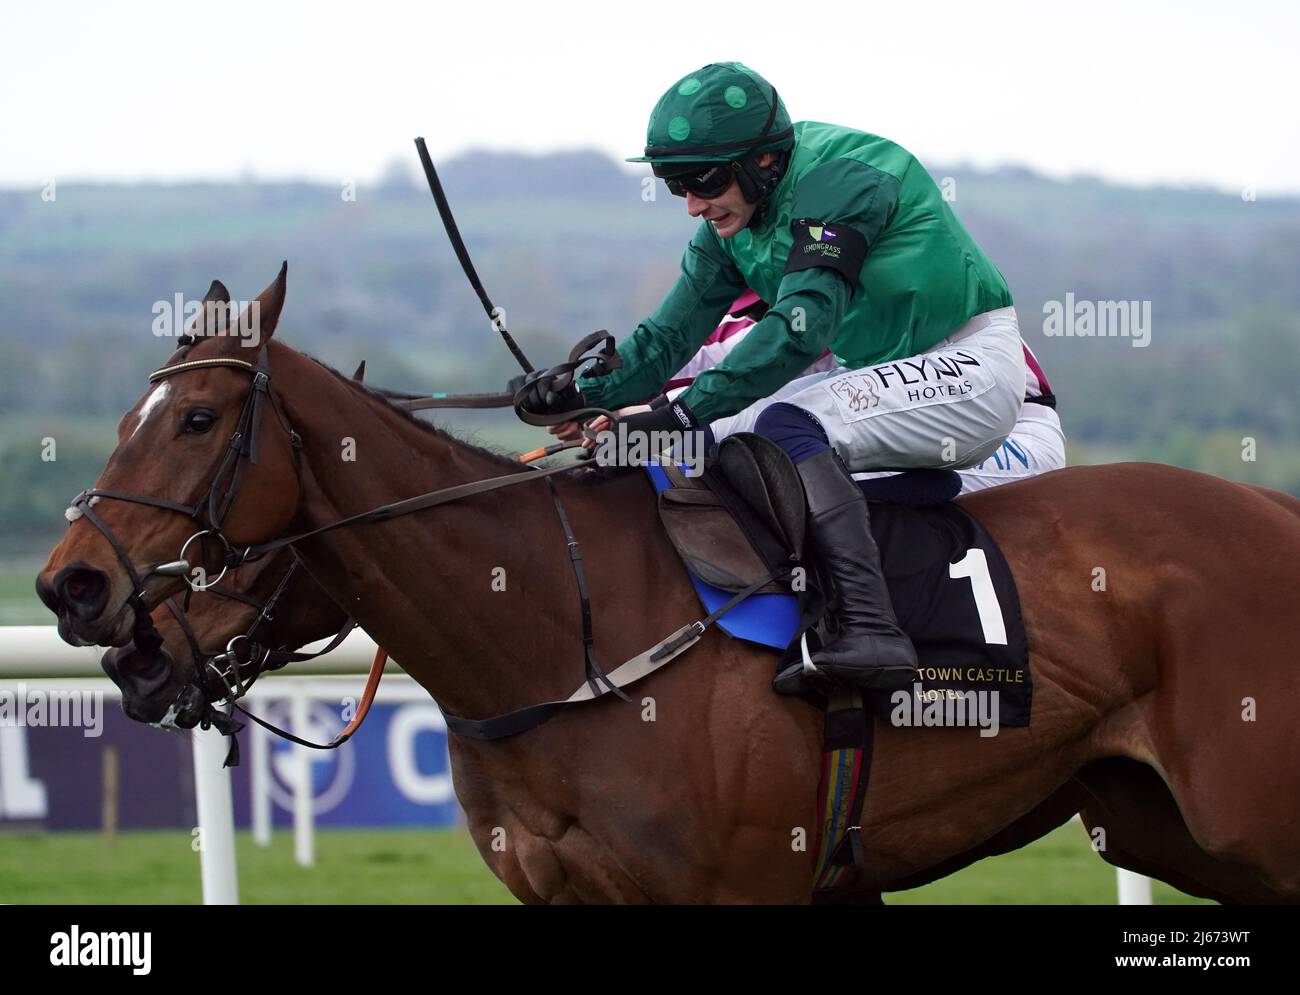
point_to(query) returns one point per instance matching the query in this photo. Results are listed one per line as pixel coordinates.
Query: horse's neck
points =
(303, 612)
(468, 597)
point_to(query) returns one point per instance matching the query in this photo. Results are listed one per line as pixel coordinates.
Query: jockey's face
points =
(729, 211)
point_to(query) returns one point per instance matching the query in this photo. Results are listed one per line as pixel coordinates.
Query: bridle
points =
(220, 676)
(250, 654)
(213, 507)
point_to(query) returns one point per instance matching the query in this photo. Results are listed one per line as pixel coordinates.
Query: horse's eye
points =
(199, 421)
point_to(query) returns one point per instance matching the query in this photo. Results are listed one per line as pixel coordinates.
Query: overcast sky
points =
(1137, 92)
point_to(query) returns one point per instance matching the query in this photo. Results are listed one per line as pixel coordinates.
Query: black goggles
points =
(708, 179)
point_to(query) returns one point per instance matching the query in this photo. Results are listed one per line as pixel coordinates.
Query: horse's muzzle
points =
(148, 683)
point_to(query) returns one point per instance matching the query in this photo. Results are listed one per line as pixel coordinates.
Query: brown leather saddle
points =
(739, 519)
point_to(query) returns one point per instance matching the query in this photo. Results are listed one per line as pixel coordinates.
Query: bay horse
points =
(1125, 799)
(1180, 664)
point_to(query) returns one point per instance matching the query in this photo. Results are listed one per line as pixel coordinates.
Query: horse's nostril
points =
(145, 680)
(82, 589)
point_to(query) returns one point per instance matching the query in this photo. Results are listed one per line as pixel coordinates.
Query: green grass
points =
(159, 867)
(443, 867)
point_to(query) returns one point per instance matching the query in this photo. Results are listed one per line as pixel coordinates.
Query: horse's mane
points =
(497, 456)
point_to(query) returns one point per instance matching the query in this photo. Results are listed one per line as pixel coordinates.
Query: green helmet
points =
(721, 112)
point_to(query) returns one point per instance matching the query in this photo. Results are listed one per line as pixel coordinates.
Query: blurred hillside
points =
(567, 245)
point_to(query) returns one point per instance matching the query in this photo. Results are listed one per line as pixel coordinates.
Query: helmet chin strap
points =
(758, 182)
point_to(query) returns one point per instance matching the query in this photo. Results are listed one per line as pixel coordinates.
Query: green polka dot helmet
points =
(721, 112)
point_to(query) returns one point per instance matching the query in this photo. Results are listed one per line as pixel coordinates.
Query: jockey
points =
(852, 242)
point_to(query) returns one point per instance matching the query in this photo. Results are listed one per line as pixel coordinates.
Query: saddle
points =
(745, 514)
(739, 519)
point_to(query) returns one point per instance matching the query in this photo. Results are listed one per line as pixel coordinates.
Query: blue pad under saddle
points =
(766, 619)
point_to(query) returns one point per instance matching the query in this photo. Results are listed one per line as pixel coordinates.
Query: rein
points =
(235, 676)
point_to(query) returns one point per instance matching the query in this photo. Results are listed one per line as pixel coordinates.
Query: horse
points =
(1137, 810)
(1180, 663)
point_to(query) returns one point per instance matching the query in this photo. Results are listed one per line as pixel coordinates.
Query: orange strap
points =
(367, 696)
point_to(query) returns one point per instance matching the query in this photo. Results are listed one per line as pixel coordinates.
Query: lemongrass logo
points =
(238, 319)
(822, 242)
(102, 949)
(24, 707)
(1098, 319)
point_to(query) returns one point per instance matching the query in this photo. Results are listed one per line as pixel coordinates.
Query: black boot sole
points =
(794, 680)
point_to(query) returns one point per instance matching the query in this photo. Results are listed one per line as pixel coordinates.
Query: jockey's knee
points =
(1000, 416)
(794, 429)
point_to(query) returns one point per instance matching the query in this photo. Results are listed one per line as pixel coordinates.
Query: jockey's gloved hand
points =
(663, 416)
(538, 395)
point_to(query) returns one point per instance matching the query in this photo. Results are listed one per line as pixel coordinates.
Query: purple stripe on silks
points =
(792, 428)
(1032, 362)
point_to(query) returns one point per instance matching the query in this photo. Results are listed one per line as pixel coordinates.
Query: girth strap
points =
(846, 772)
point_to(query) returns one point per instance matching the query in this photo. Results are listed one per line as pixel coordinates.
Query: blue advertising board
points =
(394, 772)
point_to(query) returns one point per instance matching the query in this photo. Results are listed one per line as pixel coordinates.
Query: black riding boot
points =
(871, 651)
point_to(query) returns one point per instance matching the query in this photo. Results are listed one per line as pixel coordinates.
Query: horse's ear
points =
(267, 308)
(217, 292)
(213, 317)
(360, 375)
